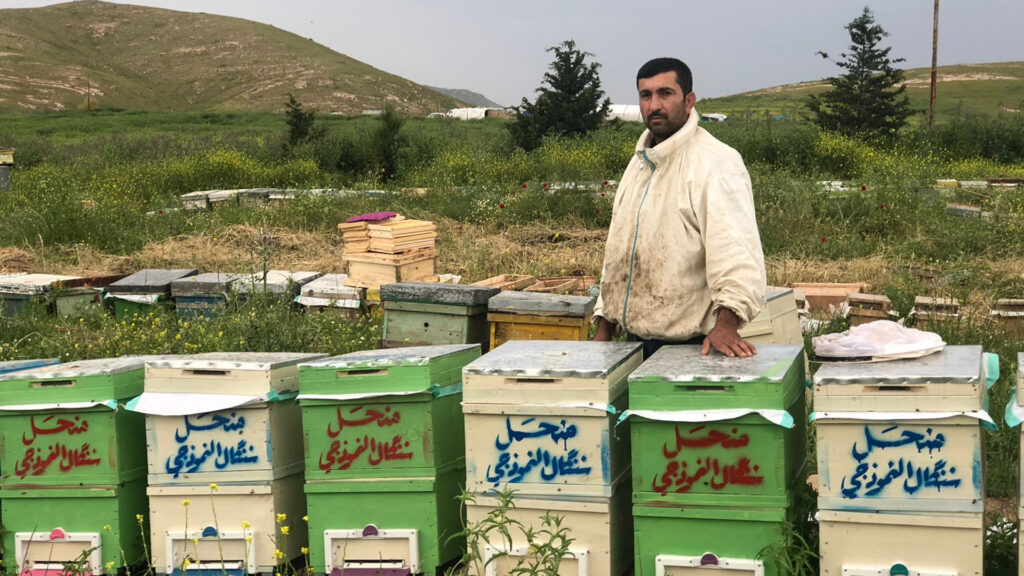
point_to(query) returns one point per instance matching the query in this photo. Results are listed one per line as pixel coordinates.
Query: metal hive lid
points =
(82, 368)
(333, 284)
(277, 281)
(513, 302)
(553, 359)
(150, 281)
(411, 356)
(258, 361)
(951, 365)
(435, 293)
(687, 364)
(31, 283)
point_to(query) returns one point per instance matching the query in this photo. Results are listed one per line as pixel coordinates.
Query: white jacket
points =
(683, 241)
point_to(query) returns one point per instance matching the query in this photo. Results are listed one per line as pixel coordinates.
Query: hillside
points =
(123, 56)
(468, 96)
(992, 90)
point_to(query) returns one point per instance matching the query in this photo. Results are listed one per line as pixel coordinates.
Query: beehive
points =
(538, 316)
(142, 292)
(423, 314)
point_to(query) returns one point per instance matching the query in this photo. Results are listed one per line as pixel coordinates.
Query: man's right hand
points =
(605, 330)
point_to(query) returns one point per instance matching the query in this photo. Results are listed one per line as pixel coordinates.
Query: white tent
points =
(625, 112)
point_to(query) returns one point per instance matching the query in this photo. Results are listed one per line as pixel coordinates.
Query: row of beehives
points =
(706, 450)
(846, 298)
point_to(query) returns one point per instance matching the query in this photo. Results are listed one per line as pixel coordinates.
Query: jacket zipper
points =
(636, 233)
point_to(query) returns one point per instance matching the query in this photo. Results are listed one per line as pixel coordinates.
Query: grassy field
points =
(84, 186)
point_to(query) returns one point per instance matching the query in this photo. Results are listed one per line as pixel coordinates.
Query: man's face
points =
(663, 105)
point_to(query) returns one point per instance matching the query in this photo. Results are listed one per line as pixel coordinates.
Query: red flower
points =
(824, 239)
(863, 187)
(524, 186)
(605, 183)
(881, 206)
(160, 211)
(597, 211)
(602, 194)
(501, 206)
(544, 184)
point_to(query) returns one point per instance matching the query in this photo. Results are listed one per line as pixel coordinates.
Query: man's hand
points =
(605, 330)
(725, 337)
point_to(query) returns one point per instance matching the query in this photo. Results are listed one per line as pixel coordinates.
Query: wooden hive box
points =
(401, 236)
(213, 537)
(224, 417)
(866, 308)
(819, 295)
(601, 528)
(422, 314)
(373, 270)
(142, 292)
(867, 543)
(60, 426)
(329, 293)
(538, 316)
(929, 309)
(505, 282)
(1009, 312)
(689, 411)
(778, 322)
(276, 282)
(17, 292)
(902, 436)
(203, 294)
(540, 418)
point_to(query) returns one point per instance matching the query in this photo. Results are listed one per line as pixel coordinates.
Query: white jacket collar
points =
(670, 146)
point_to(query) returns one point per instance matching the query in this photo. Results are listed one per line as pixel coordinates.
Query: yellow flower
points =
(304, 550)
(281, 518)
(248, 538)
(213, 486)
(188, 562)
(195, 541)
(246, 525)
(284, 530)
(278, 554)
(186, 502)
(305, 518)
(106, 527)
(138, 517)
(109, 566)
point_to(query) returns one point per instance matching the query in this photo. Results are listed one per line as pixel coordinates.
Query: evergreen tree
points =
(300, 121)
(870, 99)
(570, 104)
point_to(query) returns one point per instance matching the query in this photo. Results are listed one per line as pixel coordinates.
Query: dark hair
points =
(659, 65)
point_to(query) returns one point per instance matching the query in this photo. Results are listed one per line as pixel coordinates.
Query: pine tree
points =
(870, 99)
(570, 104)
(300, 121)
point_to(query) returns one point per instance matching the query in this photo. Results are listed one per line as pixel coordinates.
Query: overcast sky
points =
(498, 49)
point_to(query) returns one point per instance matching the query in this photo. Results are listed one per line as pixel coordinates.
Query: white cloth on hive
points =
(879, 339)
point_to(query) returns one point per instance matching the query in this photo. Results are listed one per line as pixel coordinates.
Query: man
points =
(683, 262)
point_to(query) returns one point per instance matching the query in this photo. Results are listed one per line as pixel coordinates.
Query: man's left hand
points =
(725, 337)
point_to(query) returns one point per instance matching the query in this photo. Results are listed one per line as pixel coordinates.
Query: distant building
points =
(478, 113)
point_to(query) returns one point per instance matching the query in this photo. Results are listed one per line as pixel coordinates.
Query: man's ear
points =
(691, 99)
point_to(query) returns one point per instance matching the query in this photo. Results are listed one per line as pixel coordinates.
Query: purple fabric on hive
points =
(372, 217)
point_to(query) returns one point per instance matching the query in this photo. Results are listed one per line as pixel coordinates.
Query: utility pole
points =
(935, 62)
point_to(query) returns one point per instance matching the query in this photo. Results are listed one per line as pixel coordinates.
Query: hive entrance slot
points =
(208, 372)
(53, 383)
(350, 373)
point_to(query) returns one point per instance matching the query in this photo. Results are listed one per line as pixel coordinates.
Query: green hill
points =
(991, 90)
(71, 55)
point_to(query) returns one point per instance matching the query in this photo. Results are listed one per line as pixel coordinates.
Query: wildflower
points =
(304, 550)
(138, 517)
(501, 206)
(213, 486)
(881, 206)
(284, 530)
(824, 239)
(246, 525)
(278, 554)
(248, 538)
(109, 566)
(281, 518)
(305, 518)
(597, 211)
(524, 186)
(186, 502)
(187, 562)
(106, 527)
(195, 541)
(863, 187)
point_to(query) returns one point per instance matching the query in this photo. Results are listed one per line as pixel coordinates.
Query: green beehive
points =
(44, 529)
(59, 425)
(384, 413)
(384, 457)
(717, 431)
(144, 292)
(19, 291)
(707, 540)
(405, 524)
(422, 313)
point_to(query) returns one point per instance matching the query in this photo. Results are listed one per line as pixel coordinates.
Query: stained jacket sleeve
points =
(734, 260)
